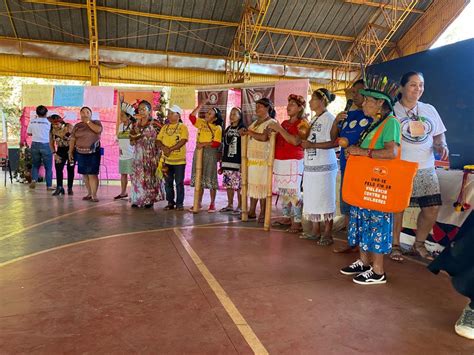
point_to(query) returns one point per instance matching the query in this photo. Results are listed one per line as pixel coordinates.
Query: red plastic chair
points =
(5, 161)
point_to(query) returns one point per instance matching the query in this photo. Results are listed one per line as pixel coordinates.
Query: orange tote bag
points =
(377, 184)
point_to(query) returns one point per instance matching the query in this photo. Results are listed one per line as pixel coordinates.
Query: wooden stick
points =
(197, 180)
(268, 204)
(244, 176)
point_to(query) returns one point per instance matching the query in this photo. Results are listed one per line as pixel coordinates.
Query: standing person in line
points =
(59, 142)
(422, 135)
(146, 188)
(372, 230)
(231, 160)
(320, 170)
(209, 138)
(39, 129)
(85, 141)
(172, 141)
(288, 164)
(125, 148)
(258, 152)
(349, 125)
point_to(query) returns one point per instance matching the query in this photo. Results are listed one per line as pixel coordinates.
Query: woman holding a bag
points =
(85, 139)
(370, 229)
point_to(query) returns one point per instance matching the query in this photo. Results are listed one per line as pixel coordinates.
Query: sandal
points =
(92, 199)
(87, 198)
(325, 241)
(396, 254)
(419, 249)
(226, 209)
(294, 229)
(280, 223)
(119, 197)
(309, 236)
(169, 207)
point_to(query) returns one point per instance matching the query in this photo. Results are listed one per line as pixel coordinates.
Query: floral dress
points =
(146, 187)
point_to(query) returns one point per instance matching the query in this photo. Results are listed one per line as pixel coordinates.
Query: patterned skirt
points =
(426, 191)
(231, 179)
(371, 230)
(209, 168)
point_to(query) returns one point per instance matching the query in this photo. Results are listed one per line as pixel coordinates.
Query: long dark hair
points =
(240, 123)
(406, 78)
(324, 95)
(148, 106)
(268, 104)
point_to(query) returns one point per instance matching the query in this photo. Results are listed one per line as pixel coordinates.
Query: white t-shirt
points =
(39, 128)
(320, 133)
(126, 149)
(420, 148)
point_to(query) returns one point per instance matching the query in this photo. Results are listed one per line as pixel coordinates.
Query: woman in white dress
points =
(320, 170)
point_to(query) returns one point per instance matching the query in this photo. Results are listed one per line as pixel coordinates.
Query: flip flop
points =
(280, 224)
(226, 209)
(309, 236)
(325, 241)
(295, 230)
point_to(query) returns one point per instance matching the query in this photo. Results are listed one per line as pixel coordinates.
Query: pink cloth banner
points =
(284, 88)
(99, 96)
(108, 139)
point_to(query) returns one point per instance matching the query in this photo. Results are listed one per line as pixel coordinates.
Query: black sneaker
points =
(355, 268)
(369, 277)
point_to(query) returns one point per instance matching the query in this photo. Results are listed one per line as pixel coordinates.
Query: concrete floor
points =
(79, 277)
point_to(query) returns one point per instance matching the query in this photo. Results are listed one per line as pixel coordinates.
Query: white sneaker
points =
(465, 324)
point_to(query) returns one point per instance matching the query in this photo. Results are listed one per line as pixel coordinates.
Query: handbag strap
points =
(377, 135)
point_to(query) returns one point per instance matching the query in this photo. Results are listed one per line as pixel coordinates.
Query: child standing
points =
(231, 160)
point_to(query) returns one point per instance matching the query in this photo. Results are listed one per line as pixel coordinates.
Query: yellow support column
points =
(93, 41)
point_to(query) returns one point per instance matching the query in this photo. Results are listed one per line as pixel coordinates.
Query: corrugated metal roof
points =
(65, 24)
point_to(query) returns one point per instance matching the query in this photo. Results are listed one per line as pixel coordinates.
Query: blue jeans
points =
(41, 152)
(175, 174)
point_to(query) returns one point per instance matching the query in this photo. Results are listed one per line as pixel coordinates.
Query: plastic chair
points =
(102, 152)
(5, 161)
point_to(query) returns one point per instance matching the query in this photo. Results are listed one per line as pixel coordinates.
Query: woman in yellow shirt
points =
(172, 141)
(209, 138)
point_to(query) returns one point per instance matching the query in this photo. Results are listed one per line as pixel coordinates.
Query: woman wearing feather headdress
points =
(372, 230)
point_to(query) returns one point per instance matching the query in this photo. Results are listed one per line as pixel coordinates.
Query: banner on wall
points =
(133, 97)
(66, 95)
(35, 95)
(211, 99)
(249, 96)
(184, 97)
(99, 96)
(284, 88)
(108, 139)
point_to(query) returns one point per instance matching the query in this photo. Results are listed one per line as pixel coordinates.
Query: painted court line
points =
(224, 299)
(52, 220)
(20, 258)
